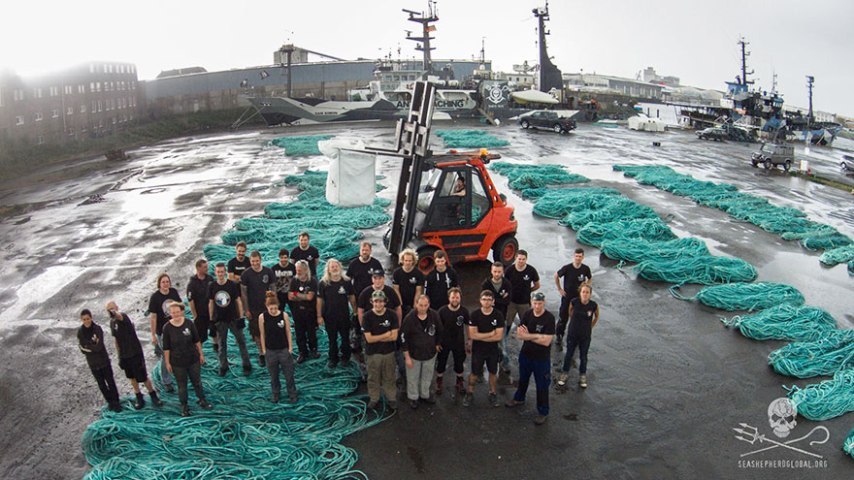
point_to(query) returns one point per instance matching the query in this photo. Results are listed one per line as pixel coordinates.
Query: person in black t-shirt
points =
(499, 286)
(574, 275)
(90, 339)
(131, 359)
(536, 331)
(360, 272)
(407, 280)
(380, 326)
(420, 340)
(254, 283)
(238, 264)
(158, 308)
(440, 280)
(278, 347)
(335, 302)
(303, 297)
(184, 357)
(197, 298)
(284, 272)
(583, 316)
(485, 329)
(523, 279)
(363, 304)
(226, 311)
(454, 318)
(306, 252)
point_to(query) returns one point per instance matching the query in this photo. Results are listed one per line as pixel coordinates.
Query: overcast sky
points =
(693, 40)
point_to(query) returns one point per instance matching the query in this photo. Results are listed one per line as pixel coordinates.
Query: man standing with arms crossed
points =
(524, 279)
(536, 330)
(485, 329)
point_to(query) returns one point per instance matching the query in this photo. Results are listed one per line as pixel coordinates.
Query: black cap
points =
(378, 273)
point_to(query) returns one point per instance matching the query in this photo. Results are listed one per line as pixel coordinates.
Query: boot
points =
(140, 401)
(155, 400)
(115, 407)
(438, 385)
(461, 387)
(185, 410)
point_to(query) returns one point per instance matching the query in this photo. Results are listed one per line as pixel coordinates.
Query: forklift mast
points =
(412, 138)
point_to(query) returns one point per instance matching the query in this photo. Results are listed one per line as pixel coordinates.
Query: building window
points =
(54, 91)
(37, 93)
(19, 120)
(38, 117)
(18, 95)
(40, 139)
(81, 88)
(67, 89)
(97, 86)
(69, 111)
(91, 68)
(83, 108)
(99, 106)
(54, 113)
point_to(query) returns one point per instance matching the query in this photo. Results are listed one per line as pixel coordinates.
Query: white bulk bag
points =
(352, 174)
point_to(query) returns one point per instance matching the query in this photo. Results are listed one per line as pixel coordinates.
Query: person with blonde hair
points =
(407, 280)
(158, 308)
(336, 303)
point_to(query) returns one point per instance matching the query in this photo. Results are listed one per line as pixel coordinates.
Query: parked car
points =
(772, 154)
(547, 119)
(713, 133)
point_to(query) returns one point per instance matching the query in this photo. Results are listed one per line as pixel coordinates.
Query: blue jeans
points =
(542, 378)
(583, 345)
(165, 376)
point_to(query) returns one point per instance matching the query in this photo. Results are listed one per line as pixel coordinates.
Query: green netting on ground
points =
(645, 229)
(826, 400)
(470, 139)
(784, 322)
(558, 203)
(703, 270)
(787, 222)
(245, 435)
(318, 209)
(615, 208)
(747, 296)
(535, 177)
(300, 146)
(848, 446)
(851, 267)
(837, 255)
(832, 352)
(634, 250)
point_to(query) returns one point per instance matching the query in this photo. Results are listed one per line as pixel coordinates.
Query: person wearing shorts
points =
(131, 359)
(485, 329)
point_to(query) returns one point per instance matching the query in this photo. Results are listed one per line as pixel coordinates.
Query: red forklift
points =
(447, 201)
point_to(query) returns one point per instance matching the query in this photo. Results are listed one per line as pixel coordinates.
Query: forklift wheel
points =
(425, 259)
(505, 249)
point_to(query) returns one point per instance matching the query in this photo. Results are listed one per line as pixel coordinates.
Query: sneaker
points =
(373, 404)
(169, 388)
(216, 347)
(493, 399)
(275, 398)
(559, 343)
(262, 361)
(247, 369)
(293, 397)
(185, 411)
(332, 364)
(300, 359)
(314, 355)
(438, 386)
(155, 400)
(512, 403)
(115, 407)
(540, 419)
(582, 381)
(392, 406)
(467, 400)
(205, 405)
(561, 380)
(413, 404)
(140, 401)
(461, 386)
(429, 400)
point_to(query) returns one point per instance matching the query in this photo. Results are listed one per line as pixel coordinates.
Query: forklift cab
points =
(449, 199)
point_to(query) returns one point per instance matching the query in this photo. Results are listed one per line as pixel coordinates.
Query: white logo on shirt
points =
(590, 313)
(538, 329)
(281, 323)
(222, 299)
(341, 290)
(494, 322)
(186, 332)
(265, 279)
(385, 323)
(460, 320)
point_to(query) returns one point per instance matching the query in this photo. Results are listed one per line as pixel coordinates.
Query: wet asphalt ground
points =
(668, 382)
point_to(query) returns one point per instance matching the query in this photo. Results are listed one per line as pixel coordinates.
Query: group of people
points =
(404, 332)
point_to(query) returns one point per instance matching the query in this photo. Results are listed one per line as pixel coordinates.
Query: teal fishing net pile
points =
(616, 208)
(535, 177)
(558, 203)
(244, 436)
(300, 146)
(851, 267)
(789, 223)
(831, 352)
(747, 296)
(784, 322)
(837, 255)
(470, 139)
(634, 250)
(703, 270)
(848, 446)
(825, 400)
(645, 229)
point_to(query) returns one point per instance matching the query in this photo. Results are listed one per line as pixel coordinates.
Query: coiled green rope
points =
(470, 139)
(635, 250)
(703, 270)
(746, 296)
(837, 255)
(825, 400)
(832, 352)
(784, 322)
(848, 446)
(300, 146)
(646, 229)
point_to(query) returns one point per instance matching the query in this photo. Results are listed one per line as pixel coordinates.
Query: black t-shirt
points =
(378, 325)
(159, 304)
(485, 323)
(92, 339)
(545, 325)
(257, 285)
(420, 337)
(304, 307)
(407, 282)
(237, 267)
(392, 301)
(453, 327)
(225, 300)
(437, 284)
(181, 343)
(521, 282)
(502, 292)
(275, 337)
(581, 320)
(573, 278)
(360, 273)
(197, 292)
(283, 277)
(310, 254)
(125, 335)
(336, 299)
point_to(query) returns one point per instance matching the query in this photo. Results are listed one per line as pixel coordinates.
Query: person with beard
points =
(226, 311)
(440, 280)
(420, 340)
(254, 283)
(407, 280)
(574, 275)
(238, 264)
(454, 317)
(302, 294)
(335, 301)
(284, 272)
(380, 327)
(197, 298)
(486, 329)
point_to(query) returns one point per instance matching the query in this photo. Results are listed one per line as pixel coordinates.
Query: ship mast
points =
(550, 76)
(426, 22)
(744, 55)
(810, 81)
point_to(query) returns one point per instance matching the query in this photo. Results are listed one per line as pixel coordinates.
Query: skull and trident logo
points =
(782, 418)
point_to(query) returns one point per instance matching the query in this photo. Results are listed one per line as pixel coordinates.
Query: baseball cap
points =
(378, 295)
(378, 273)
(539, 296)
